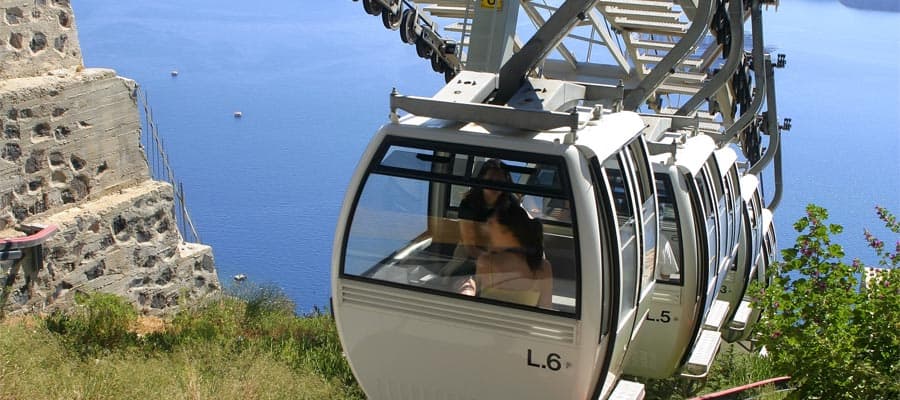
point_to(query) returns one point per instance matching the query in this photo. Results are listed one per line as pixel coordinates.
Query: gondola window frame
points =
(562, 192)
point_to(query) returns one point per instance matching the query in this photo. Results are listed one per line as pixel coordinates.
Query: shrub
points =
(268, 311)
(835, 339)
(216, 321)
(35, 364)
(100, 321)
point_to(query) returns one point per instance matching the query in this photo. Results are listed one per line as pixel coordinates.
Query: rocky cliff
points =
(71, 155)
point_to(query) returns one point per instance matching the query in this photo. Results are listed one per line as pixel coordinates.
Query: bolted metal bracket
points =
(781, 61)
(786, 125)
(393, 116)
(619, 102)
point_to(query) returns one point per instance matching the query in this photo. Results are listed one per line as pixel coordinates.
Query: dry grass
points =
(148, 324)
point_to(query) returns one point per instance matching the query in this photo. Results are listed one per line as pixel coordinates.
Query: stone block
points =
(36, 37)
(66, 138)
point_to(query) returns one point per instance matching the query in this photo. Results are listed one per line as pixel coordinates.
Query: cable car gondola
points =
(640, 216)
(741, 325)
(406, 327)
(697, 224)
(749, 256)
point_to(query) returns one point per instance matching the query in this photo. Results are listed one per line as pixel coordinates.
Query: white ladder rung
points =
(686, 77)
(652, 45)
(703, 354)
(711, 127)
(447, 11)
(641, 15)
(669, 28)
(628, 390)
(458, 27)
(716, 315)
(645, 5)
(677, 89)
(648, 58)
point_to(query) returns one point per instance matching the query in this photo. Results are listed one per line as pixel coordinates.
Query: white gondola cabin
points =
(697, 243)
(410, 332)
(748, 259)
(741, 325)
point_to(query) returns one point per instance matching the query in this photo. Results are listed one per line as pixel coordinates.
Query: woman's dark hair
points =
(527, 231)
(494, 164)
(476, 195)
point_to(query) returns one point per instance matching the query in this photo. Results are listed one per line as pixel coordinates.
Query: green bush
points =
(314, 344)
(100, 321)
(216, 321)
(735, 368)
(307, 342)
(254, 319)
(268, 311)
(835, 339)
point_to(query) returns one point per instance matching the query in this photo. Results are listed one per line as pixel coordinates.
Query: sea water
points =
(312, 85)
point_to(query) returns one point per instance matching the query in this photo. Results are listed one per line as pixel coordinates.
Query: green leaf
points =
(801, 225)
(836, 229)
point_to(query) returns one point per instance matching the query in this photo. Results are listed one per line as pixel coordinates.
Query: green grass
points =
(251, 346)
(247, 345)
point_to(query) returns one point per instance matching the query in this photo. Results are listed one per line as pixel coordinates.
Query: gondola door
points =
(620, 181)
(703, 198)
(615, 175)
(649, 225)
(722, 215)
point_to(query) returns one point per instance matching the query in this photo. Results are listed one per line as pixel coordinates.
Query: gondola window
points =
(669, 261)
(414, 227)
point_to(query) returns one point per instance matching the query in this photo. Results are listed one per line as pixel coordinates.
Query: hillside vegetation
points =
(247, 346)
(251, 346)
(836, 337)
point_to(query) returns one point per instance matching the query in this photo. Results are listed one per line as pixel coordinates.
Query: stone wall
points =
(127, 243)
(70, 154)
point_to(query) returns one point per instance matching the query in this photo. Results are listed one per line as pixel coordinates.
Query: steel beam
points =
(547, 37)
(773, 151)
(531, 120)
(761, 68)
(492, 36)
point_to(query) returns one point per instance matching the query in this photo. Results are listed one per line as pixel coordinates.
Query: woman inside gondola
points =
(514, 268)
(474, 210)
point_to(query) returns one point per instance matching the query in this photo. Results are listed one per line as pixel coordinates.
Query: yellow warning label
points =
(495, 4)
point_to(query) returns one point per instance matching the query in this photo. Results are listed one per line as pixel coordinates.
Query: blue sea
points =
(312, 83)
